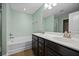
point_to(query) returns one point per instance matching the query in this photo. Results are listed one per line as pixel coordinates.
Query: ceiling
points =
(59, 9)
(30, 7)
(62, 8)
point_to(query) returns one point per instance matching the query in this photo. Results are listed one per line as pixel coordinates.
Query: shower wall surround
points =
(48, 24)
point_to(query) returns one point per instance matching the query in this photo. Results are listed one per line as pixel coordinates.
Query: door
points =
(41, 46)
(65, 25)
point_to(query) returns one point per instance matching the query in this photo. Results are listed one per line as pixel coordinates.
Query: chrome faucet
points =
(67, 34)
(42, 32)
(11, 36)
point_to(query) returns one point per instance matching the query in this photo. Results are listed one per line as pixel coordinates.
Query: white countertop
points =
(58, 38)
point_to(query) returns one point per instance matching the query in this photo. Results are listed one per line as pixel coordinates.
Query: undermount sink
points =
(65, 39)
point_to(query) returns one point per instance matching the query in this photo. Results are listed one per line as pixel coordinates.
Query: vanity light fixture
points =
(54, 4)
(46, 5)
(49, 5)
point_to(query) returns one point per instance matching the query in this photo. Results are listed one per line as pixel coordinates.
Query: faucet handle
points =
(10, 34)
(69, 35)
(65, 34)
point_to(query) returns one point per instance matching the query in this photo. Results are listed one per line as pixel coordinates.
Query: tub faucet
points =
(11, 36)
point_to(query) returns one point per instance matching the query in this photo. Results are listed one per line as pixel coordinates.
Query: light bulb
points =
(24, 9)
(49, 7)
(54, 4)
(46, 5)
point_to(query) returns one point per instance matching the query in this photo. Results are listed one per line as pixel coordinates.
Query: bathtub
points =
(19, 44)
(18, 40)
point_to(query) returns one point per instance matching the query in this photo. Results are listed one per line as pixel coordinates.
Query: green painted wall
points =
(55, 24)
(48, 23)
(37, 20)
(20, 24)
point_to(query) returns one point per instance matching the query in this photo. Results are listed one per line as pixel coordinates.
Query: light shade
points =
(50, 7)
(24, 9)
(46, 5)
(54, 4)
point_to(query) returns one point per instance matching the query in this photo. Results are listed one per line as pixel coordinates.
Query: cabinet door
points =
(41, 47)
(65, 51)
(50, 52)
(35, 45)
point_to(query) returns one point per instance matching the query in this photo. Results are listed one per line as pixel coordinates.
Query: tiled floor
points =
(24, 53)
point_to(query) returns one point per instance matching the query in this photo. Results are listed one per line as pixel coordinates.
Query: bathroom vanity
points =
(49, 45)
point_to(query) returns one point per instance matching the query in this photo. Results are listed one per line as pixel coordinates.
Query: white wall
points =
(74, 22)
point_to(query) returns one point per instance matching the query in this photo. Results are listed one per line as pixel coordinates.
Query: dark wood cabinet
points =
(60, 49)
(45, 47)
(51, 48)
(41, 46)
(38, 45)
(35, 45)
(50, 52)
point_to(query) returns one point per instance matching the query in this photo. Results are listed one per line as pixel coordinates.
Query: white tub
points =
(19, 44)
(18, 40)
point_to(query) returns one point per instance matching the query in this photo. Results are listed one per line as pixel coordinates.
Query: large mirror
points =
(58, 17)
